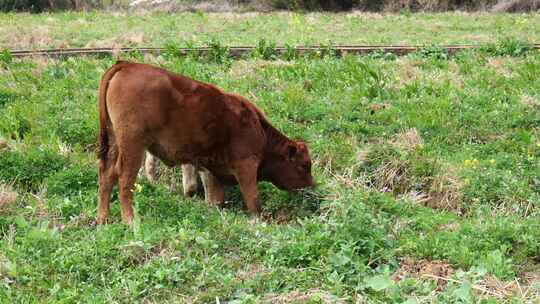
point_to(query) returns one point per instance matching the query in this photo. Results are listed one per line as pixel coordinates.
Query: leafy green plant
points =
(5, 57)
(291, 53)
(433, 52)
(217, 52)
(29, 169)
(265, 50)
(508, 47)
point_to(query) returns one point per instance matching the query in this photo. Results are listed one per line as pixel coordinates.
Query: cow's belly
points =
(175, 150)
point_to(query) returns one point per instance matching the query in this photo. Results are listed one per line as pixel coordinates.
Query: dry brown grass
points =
(31, 37)
(204, 6)
(407, 71)
(445, 192)
(442, 192)
(134, 38)
(7, 196)
(4, 145)
(392, 176)
(245, 68)
(424, 5)
(42, 211)
(303, 297)
(408, 140)
(250, 272)
(516, 6)
(530, 102)
(499, 65)
(438, 270)
(376, 107)
(441, 189)
(524, 288)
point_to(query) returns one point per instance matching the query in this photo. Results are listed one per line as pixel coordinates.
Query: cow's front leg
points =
(214, 192)
(246, 175)
(150, 167)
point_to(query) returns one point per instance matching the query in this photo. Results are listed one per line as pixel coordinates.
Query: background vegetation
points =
(427, 168)
(336, 5)
(116, 29)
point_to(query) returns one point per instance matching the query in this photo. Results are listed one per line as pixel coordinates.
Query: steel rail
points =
(238, 51)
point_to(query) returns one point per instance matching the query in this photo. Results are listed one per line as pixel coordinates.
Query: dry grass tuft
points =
(408, 173)
(244, 68)
(125, 40)
(524, 288)
(441, 271)
(250, 272)
(407, 71)
(442, 192)
(4, 145)
(41, 64)
(34, 37)
(499, 66)
(392, 176)
(7, 196)
(408, 140)
(530, 101)
(376, 107)
(308, 296)
(42, 211)
(187, 6)
(445, 192)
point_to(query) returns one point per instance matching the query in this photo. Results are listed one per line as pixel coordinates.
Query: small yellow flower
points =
(492, 161)
(538, 144)
(138, 188)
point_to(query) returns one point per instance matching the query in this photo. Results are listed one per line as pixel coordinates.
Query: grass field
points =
(99, 29)
(428, 172)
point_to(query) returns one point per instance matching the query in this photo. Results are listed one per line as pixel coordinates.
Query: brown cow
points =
(184, 121)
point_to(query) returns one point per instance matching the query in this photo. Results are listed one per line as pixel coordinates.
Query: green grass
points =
(105, 29)
(421, 157)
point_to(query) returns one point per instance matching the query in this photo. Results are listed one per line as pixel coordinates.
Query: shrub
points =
(508, 47)
(30, 168)
(517, 6)
(37, 6)
(265, 50)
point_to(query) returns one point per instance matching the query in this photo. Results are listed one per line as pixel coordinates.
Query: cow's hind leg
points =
(214, 192)
(128, 165)
(108, 177)
(189, 179)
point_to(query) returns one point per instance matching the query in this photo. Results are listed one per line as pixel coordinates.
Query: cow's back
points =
(176, 117)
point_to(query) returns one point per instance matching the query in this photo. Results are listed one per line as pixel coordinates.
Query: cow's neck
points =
(276, 142)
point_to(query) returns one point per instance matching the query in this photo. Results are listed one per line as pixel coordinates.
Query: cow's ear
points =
(291, 151)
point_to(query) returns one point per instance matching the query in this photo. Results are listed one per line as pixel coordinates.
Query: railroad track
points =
(238, 51)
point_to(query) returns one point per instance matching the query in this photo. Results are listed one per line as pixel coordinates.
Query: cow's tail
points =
(104, 121)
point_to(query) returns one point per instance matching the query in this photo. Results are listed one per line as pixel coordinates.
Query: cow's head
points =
(291, 168)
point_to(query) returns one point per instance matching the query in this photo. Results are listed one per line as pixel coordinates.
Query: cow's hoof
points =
(100, 221)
